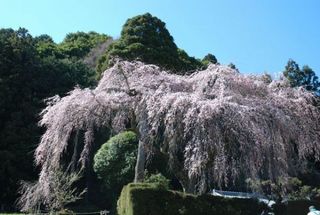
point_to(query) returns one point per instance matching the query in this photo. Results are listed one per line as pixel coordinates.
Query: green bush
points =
(148, 199)
(114, 162)
(161, 181)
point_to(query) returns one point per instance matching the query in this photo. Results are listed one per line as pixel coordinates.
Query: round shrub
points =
(114, 162)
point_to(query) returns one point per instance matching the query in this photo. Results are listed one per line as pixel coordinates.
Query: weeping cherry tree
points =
(217, 126)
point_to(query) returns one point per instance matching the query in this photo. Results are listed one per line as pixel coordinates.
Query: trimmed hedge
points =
(296, 207)
(148, 199)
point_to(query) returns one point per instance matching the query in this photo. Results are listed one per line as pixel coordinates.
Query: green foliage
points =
(75, 46)
(31, 69)
(209, 58)
(146, 38)
(187, 63)
(62, 75)
(232, 66)
(305, 77)
(79, 44)
(290, 188)
(158, 179)
(46, 47)
(115, 161)
(293, 73)
(148, 199)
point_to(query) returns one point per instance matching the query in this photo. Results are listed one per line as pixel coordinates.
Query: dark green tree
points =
(115, 161)
(293, 73)
(187, 63)
(233, 66)
(310, 79)
(209, 58)
(147, 39)
(30, 71)
(18, 110)
(43, 38)
(305, 77)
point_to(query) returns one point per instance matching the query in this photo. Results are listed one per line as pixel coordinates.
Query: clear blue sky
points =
(256, 35)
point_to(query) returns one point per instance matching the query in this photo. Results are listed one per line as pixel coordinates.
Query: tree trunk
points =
(74, 159)
(139, 169)
(143, 140)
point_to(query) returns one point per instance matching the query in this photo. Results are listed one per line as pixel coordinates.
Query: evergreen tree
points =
(209, 58)
(310, 79)
(305, 77)
(147, 39)
(293, 73)
(233, 66)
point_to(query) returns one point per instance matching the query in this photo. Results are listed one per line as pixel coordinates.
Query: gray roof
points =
(237, 194)
(244, 195)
